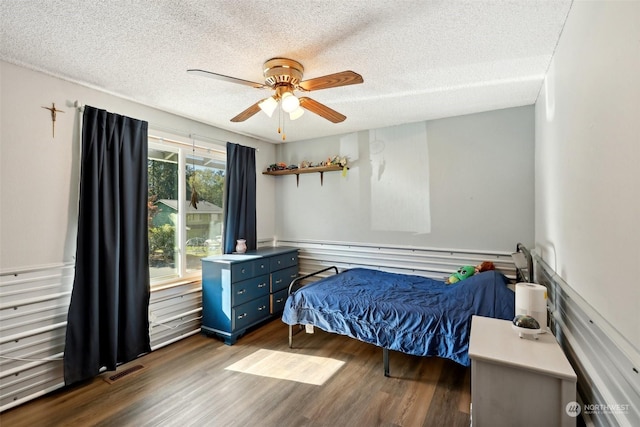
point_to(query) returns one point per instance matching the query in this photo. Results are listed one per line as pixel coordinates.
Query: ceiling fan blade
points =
(342, 78)
(247, 113)
(321, 110)
(222, 77)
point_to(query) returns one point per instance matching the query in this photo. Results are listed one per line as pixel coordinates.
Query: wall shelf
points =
(318, 169)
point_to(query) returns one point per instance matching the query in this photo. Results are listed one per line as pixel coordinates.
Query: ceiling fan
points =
(285, 76)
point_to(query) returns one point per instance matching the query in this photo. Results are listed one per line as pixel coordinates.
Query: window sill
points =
(169, 284)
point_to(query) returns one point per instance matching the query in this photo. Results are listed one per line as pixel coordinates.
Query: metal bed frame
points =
(295, 285)
(524, 263)
(524, 271)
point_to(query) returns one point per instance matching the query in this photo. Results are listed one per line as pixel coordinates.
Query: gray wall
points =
(462, 182)
(587, 151)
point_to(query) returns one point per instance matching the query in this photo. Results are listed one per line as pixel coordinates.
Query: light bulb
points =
(268, 105)
(296, 114)
(289, 102)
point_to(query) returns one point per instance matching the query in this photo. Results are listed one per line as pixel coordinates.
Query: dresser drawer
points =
(278, 300)
(261, 266)
(251, 312)
(283, 261)
(247, 290)
(282, 278)
(244, 270)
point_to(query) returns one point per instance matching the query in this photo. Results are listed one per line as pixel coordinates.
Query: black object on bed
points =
(407, 313)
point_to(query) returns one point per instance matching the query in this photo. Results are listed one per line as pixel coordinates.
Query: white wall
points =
(587, 151)
(462, 182)
(39, 173)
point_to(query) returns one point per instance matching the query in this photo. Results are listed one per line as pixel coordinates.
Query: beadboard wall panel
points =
(427, 262)
(174, 313)
(607, 365)
(33, 319)
(33, 315)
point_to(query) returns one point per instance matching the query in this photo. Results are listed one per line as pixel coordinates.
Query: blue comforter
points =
(407, 313)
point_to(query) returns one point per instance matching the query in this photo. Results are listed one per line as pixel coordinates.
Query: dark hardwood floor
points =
(186, 384)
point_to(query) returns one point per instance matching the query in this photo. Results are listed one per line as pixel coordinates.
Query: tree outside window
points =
(181, 233)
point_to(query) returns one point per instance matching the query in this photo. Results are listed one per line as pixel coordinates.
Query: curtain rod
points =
(80, 107)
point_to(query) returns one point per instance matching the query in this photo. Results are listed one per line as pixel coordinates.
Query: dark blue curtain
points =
(240, 197)
(107, 323)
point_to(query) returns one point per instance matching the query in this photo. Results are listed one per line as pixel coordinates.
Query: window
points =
(183, 226)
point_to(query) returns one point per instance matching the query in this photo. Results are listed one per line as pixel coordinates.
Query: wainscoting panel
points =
(33, 319)
(174, 313)
(428, 262)
(606, 364)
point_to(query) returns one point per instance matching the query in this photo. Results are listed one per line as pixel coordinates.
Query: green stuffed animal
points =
(463, 272)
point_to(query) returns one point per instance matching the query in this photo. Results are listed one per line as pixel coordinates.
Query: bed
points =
(401, 312)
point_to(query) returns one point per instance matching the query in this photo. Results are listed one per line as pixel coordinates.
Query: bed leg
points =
(290, 336)
(385, 361)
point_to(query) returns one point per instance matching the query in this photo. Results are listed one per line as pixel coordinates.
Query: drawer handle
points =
(279, 262)
(242, 271)
(242, 316)
(293, 258)
(279, 281)
(262, 285)
(293, 276)
(262, 308)
(280, 300)
(242, 291)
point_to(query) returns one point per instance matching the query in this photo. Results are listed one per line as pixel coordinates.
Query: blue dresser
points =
(242, 290)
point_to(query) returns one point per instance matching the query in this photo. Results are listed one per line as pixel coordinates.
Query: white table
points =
(518, 381)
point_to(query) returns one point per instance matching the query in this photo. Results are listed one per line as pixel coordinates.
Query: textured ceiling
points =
(420, 59)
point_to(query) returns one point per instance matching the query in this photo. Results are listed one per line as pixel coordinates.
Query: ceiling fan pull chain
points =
(284, 135)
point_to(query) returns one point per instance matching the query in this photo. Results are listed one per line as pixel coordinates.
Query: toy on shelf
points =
(332, 164)
(335, 161)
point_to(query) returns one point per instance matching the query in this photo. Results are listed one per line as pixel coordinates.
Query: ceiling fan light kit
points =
(296, 114)
(284, 76)
(268, 105)
(289, 102)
